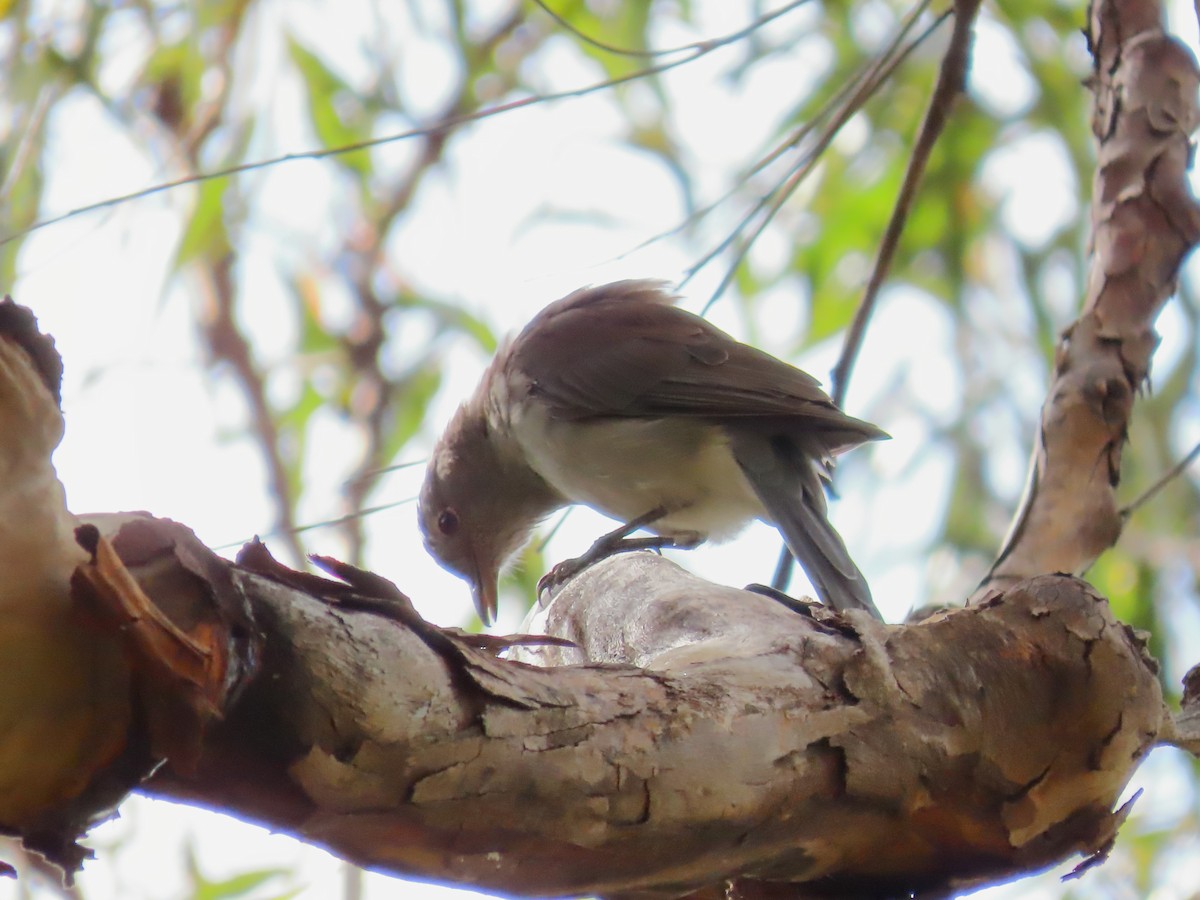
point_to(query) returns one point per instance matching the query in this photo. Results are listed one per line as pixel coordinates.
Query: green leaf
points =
(337, 115)
(409, 408)
(205, 235)
(240, 885)
(452, 317)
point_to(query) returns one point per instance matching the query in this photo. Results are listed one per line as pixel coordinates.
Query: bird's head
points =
(478, 505)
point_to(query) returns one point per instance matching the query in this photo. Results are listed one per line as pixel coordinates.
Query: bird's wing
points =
(625, 349)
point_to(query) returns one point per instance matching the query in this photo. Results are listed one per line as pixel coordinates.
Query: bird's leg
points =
(617, 541)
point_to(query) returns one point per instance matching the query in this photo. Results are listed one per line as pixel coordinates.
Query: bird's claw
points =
(606, 546)
(617, 541)
(804, 607)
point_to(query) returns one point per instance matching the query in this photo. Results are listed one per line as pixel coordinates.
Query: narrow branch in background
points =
(26, 148)
(701, 50)
(227, 343)
(951, 82)
(221, 330)
(372, 474)
(548, 536)
(793, 140)
(845, 104)
(365, 340)
(324, 523)
(1171, 474)
(668, 51)
(353, 883)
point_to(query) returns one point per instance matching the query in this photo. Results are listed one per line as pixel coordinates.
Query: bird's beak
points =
(484, 589)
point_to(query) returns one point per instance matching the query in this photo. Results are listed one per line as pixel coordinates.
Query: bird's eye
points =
(447, 522)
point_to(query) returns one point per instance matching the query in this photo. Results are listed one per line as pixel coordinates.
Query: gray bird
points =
(615, 398)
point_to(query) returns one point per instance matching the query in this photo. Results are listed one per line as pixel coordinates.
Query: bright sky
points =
(148, 428)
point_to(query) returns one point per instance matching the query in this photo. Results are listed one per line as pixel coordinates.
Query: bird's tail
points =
(790, 488)
(821, 552)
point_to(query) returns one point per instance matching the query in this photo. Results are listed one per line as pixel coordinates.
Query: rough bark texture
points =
(699, 739)
(751, 744)
(1145, 221)
(1184, 732)
(64, 707)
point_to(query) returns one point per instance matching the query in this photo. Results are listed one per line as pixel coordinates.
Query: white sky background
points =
(149, 428)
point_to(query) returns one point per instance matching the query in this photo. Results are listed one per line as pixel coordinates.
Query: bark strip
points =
(1145, 221)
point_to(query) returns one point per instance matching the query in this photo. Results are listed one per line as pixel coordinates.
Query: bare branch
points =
(324, 523)
(951, 81)
(701, 50)
(667, 51)
(364, 340)
(844, 104)
(228, 344)
(1171, 474)
(783, 192)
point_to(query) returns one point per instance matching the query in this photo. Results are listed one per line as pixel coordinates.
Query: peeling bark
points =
(1183, 730)
(1145, 221)
(64, 709)
(749, 744)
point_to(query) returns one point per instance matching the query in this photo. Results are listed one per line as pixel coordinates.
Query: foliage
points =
(366, 336)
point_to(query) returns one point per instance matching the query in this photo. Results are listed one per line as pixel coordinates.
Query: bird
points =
(616, 398)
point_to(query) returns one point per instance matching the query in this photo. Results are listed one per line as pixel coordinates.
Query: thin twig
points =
(651, 54)
(951, 80)
(793, 140)
(1171, 474)
(27, 146)
(846, 104)
(546, 538)
(227, 343)
(372, 474)
(324, 523)
(701, 50)
(363, 342)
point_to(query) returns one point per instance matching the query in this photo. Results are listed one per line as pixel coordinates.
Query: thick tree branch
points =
(1145, 221)
(784, 748)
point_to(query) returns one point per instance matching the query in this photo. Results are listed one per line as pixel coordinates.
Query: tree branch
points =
(1145, 221)
(952, 77)
(786, 748)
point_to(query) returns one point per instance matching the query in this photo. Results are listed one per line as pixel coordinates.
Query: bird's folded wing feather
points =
(625, 350)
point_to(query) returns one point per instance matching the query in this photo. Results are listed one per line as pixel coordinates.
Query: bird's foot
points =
(617, 541)
(805, 607)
